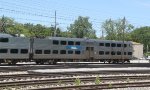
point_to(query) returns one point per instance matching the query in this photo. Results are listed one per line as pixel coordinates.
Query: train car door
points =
(90, 53)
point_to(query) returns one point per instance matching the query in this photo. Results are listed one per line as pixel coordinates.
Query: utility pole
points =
(123, 30)
(55, 26)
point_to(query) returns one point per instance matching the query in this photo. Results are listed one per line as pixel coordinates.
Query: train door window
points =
(125, 53)
(77, 43)
(47, 51)
(14, 51)
(55, 42)
(3, 39)
(101, 44)
(92, 48)
(63, 42)
(77, 52)
(107, 44)
(113, 53)
(107, 53)
(129, 53)
(38, 51)
(101, 52)
(125, 45)
(62, 51)
(70, 52)
(3, 50)
(24, 51)
(118, 53)
(87, 48)
(113, 45)
(55, 51)
(70, 43)
(118, 45)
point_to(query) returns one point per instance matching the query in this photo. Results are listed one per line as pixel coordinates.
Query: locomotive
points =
(57, 49)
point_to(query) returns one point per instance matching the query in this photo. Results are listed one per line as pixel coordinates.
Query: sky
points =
(43, 11)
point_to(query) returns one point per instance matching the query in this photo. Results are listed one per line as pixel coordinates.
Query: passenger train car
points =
(56, 49)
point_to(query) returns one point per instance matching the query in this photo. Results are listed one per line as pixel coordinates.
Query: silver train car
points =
(56, 49)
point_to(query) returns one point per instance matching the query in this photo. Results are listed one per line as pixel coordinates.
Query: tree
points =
(81, 28)
(115, 29)
(142, 35)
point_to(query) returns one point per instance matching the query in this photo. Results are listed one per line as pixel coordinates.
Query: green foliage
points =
(97, 80)
(77, 82)
(128, 80)
(81, 28)
(142, 35)
(115, 29)
(110, 85)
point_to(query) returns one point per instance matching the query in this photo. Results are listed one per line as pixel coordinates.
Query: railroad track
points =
(69, 81)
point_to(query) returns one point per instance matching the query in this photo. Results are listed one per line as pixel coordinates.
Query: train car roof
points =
(86, 39)
(5, 35)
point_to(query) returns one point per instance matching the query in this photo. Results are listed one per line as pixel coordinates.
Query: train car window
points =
(3, 50)
(77, 43)
(63, 42)
(125, 53)
(24, 51)
(70, 52)
(113, 53)
(70, 43)
(107, 44)
(107, 53)
(129, 53)
(55, 42)
(38, 51)
(77, 52)
(118, 45)
(62, 51)
(47, 51)
(118, 53)
(101, 44)
(14, 51)
(101, 52)
(125, 45)
(3, 39)
(113, 45)
(55, 51)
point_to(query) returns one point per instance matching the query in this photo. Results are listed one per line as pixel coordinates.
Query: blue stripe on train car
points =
(76, 47)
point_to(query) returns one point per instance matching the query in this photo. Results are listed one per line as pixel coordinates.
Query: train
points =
(61, 49)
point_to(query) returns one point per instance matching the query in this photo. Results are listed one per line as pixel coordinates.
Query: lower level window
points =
(14, 51)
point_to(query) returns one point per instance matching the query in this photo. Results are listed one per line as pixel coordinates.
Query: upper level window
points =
(3, 39)
(70, 43)
(113, 45)
(63, 42)
(77, 43)
(101, 44)
(125, 45)
(118, 45)
(107, 44)
(55, 42)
